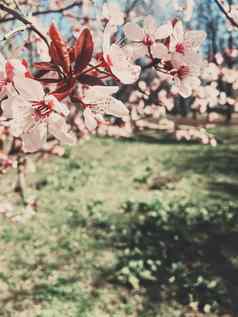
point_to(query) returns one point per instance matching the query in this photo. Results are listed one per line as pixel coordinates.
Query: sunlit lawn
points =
(54, 264)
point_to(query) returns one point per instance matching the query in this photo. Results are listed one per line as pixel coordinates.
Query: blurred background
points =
(139, 219)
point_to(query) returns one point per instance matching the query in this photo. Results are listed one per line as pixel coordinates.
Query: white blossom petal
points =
(29, 89)
(164, 31)
(134, 32)
(90, 121)
(150, 25)
(58, 128)
(35, 139)
(15, 106)
(194, 39)
(121, 67)
(159, 50)
(7, 106)
(117, 108)
(178, 32)
(92, 94)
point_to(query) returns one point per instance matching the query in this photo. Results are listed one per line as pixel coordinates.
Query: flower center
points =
(42, 109)
(183, 72)
(148, 41)
(180, 48)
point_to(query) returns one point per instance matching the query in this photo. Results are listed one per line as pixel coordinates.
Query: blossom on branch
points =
(182, 41)
(33, 113)
(118, 60)
(98, 100)
(148, 37)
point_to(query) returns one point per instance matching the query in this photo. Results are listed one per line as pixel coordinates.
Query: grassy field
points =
(61, 262)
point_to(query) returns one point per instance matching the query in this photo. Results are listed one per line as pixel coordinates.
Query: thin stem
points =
(19, 17)
(20, 184)
(227, 15)
(49, 11)
(91, 68)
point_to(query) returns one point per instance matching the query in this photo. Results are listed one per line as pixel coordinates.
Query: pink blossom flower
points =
(33, 114)
(112, 12)
(186, 72)
(119, 60)
(183, 41)
(98, 100)
(148, 37)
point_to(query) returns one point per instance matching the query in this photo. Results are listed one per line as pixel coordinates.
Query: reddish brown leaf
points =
(49, 80)
(83, 50)
(71, 54)
(58, 49)
(39, 73)
(45, 66)
(64, 90)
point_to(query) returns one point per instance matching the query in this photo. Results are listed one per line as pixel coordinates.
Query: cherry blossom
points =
(112, 13)
(98, 100)
(186, 72)
(183, 41)
(33, 113)
(118, 60)
(147, 38)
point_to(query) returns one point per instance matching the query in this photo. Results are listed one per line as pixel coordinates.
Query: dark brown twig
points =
(226, 14)
(44, 12)
(25, 21)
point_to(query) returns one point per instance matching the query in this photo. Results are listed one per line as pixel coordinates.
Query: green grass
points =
(55, 264)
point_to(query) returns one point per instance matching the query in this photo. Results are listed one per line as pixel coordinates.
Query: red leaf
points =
(45, 66)
(58, 48)
(71, 54)
(83, 50)
(64, 90)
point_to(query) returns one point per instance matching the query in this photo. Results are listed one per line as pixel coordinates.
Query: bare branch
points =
(44, 12)
(25, 21)
(226, 14)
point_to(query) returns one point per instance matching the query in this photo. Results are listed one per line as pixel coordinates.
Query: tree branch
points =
(44, 12)
(226, 14)
(19, 17)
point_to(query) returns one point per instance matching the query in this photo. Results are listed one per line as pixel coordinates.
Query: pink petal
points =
(92, 94)
(164, 31)
(185, 89)
(90, 121)
(150, 25)
(7, 107)
(20, 125)
(58, 128)
(159, 50)
(178, 32)
(108, 32)
(194, 39)
(35, 139)
(117, 108)
(134, 32)
(122, 67)
(29, 89)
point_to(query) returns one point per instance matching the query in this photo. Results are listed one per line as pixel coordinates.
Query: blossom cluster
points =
(35, 102)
